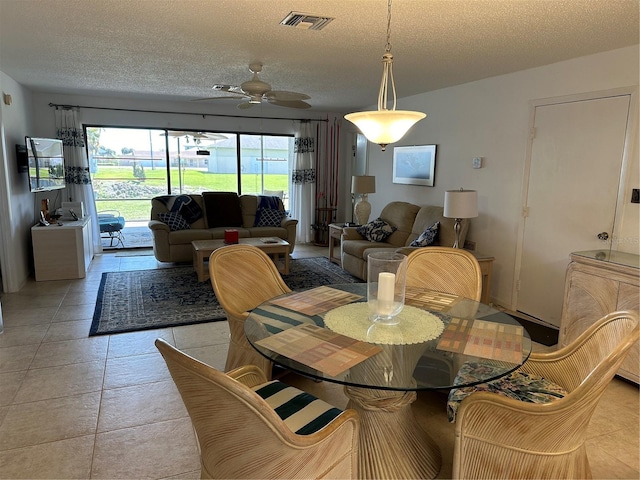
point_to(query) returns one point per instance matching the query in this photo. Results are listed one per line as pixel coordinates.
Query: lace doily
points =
(416, 325)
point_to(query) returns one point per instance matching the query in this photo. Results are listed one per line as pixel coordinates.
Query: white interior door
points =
(574, 175)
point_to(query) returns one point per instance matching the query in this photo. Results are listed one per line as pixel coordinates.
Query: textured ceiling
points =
(177, 49)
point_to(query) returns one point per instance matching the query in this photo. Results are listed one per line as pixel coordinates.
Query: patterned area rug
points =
(171, 297)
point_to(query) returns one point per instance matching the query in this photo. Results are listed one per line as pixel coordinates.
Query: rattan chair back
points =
(445, 269)
(241, 436)
(243, 277)
(498, 437)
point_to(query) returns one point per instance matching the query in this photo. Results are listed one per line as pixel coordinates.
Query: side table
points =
(335, 233)
(486, 267)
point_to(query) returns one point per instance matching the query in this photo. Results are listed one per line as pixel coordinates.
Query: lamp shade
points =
(460, 203)
(385, 126)
(363, 184)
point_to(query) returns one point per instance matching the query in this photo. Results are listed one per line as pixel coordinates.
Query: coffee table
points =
(272, 246)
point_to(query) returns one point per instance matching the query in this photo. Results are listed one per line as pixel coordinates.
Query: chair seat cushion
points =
(303, 413)
(110, 223)
(518, 385)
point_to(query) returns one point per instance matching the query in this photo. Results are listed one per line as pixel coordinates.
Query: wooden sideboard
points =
(598, 283)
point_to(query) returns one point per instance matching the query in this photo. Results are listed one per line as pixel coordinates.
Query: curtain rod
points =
(203, 115)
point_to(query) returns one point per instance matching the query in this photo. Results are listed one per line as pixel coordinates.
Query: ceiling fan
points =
(254, 91)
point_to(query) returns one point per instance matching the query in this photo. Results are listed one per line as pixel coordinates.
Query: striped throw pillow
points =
(303, 413)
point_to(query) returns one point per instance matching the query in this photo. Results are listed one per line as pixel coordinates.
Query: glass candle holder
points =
(386, 280)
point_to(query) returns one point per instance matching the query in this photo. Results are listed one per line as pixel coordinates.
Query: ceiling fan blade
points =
(228, 88)
(226, 97)
(291, 104)
(286, 96)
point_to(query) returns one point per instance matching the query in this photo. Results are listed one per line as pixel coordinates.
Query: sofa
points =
(178, 220)
(409, 222)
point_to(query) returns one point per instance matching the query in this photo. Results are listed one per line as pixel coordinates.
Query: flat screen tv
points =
(46, 163)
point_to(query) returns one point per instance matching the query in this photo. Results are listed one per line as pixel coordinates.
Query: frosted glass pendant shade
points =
(385, 126)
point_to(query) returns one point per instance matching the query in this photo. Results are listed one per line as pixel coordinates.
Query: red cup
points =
(231, 236)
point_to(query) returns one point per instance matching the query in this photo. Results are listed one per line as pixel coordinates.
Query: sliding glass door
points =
(129, 166)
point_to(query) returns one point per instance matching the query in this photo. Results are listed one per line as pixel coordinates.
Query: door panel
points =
(574, 176)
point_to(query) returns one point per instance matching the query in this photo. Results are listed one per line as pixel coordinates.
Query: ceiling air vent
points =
(306, 21)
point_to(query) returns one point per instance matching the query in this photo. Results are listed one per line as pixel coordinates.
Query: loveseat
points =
(177, 220)
(409, 222)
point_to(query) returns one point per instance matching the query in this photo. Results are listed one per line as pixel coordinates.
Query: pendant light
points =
(385, 126)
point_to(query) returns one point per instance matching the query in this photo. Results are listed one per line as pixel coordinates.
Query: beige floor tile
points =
(15, 359)
(3, 413)
(606, 466)
(57, 287)
(202, 334)
(71, 351)
(195, 475)
(137, 343)
(9, 385)
(51, 301)
(17, 317)
(139, 405)
(623, 445)
(80, 298)
(61, 381)
(62, 459)
(74, 312)
(25, 335)
(60, 331)
(214, 355)
(157, 450)
(136, 370)
(33, 423)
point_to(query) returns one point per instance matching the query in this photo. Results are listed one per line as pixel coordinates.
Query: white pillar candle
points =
(386, 292)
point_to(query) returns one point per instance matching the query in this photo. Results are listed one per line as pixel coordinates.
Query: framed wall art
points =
(414, 165)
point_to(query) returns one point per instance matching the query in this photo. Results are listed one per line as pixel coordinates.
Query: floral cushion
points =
(376, 231)
(269, 217)
(428, 237)
(518, 385)
(174, 220)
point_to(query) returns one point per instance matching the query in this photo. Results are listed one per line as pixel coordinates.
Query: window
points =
(129, 166)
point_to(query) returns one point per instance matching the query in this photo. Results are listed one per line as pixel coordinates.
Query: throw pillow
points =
(269, 217)
(376, 230)
(426, 238)
(174, 220)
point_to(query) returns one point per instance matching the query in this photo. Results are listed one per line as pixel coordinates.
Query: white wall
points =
(490, 119)
(16, 202)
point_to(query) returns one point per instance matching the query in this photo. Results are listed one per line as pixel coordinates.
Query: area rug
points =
(171, 297)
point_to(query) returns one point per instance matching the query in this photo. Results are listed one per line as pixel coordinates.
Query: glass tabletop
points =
(325, 333)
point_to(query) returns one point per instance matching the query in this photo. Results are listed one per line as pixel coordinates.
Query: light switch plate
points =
(477, 162)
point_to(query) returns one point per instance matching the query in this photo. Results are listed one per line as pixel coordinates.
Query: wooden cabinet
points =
(598, 283)
(62, 251)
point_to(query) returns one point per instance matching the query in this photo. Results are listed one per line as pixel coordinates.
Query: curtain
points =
(303, 178)
(76, 166)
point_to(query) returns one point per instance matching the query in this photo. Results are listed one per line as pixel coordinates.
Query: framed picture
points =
(414, 165)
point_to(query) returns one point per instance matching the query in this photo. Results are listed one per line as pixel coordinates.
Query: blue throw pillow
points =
(174, 220)
(376, 231)
(269, 217)
(426, 238)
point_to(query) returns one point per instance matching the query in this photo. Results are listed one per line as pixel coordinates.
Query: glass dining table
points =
(325, 333)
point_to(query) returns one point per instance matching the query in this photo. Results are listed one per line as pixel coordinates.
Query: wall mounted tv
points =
(46, 163)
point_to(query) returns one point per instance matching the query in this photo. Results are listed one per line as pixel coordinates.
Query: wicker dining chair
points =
(241, 434)
(445, 269)
(500, 437)
(243, 277)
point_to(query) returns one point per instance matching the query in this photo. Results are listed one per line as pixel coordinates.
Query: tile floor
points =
(105, 407)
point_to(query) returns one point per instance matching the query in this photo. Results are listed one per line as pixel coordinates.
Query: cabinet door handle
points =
(603, 235)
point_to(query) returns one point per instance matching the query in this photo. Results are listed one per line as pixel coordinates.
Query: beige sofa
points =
(410, 221)
(219, 211)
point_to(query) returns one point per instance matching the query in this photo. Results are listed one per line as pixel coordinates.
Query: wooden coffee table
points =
(275, 247)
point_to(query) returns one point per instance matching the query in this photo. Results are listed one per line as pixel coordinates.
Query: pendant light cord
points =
(387, 69)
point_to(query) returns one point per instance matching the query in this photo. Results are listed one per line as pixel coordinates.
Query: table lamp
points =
(362, 185)
(460, 204)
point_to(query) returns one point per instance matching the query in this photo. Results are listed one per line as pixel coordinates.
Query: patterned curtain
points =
(76, 168)
(303, 178)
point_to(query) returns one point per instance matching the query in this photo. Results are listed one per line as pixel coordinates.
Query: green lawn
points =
(117, 189)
